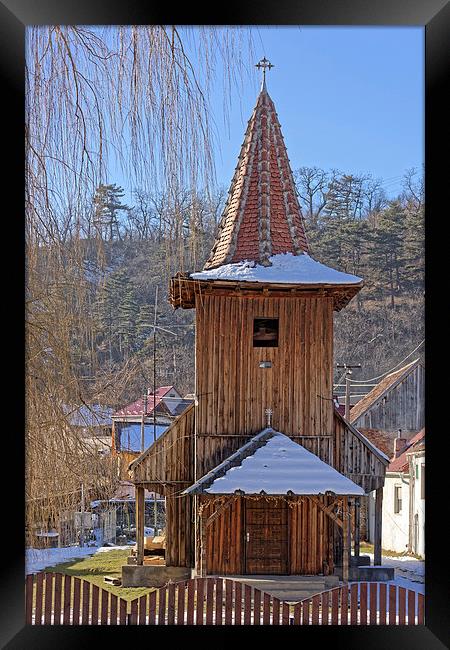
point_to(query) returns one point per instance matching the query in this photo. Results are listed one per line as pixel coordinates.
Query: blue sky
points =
(350, 98)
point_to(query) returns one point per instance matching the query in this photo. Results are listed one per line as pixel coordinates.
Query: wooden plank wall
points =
(168, 468)
(310, 533)
(233, 391)
(179, 530)
(403, 407)
(171, 457)
(354, 459)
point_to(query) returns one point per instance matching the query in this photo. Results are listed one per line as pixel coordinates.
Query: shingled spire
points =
(262, 215)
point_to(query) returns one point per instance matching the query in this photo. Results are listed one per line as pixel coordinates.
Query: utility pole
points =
(82, 517)
(155, 504)
(144, 413)
(348, 371)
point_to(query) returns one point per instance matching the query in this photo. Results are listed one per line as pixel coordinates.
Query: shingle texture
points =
(262, 215)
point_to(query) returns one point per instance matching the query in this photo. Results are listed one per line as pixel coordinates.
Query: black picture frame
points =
(434, 15)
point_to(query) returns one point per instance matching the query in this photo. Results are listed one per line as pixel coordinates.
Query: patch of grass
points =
(95, 567)
(368, 548)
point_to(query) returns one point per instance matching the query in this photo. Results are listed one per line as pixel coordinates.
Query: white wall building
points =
(403, 520)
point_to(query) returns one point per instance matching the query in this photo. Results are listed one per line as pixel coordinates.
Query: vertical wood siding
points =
(233, 391)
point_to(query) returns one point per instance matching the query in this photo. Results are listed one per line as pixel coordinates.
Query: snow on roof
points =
(93, 415)
(277, 466)
(285, 268)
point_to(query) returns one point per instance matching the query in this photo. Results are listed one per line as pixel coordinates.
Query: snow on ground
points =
(409, 572)
(285, 268)
(37, 559)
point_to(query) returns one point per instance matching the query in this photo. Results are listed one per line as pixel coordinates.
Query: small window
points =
(265, 333)
(397, 499)
(417, 471)
(422, 484)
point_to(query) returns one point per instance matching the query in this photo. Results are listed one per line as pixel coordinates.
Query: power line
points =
(362, 381)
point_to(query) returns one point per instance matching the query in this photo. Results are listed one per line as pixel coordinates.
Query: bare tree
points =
(133, 98)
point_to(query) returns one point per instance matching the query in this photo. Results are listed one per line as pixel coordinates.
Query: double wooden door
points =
(266, 536)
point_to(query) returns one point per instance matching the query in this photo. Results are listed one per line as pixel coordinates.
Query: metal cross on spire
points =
(264, 63)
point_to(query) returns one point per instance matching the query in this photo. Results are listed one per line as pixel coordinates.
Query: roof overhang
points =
(184, 290)
(273, 464)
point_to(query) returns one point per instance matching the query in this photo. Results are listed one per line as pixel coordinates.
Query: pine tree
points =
(144, 323)
(107, 206)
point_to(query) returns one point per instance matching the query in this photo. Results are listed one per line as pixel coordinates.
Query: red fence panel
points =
(113, 610)
(95, 599)
(411, 607)
(237, 603)
(219, 601)
(324, 607)
(56, 599)
(354, 604)
(123, 611)
(335, 606)
(142, 610)
(57, 606)
(200, 601)
(29, 599)
(344, 594)
(275, 611)
(67, 599)
(257, 607)
(373, 607)
(401, 606)
(229, 585)
(86, 599)
(383, 603)
(48, 598)
(306, 605)
(76, 600)
(180, 603)
(152, 607)
(209, 601)
(247, 605)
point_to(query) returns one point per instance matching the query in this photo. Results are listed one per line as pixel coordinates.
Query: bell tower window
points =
(265, 333)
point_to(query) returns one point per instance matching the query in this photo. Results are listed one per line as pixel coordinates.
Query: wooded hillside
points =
(350, 224)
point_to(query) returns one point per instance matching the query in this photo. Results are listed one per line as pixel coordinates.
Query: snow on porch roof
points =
(272, 463)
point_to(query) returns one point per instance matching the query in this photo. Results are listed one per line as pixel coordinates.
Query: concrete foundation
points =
(152, 576)
(292, 588)
(367, 573)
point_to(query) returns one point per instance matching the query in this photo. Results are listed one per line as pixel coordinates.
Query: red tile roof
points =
(401, 463)
(137, 407)
(262, 216)
(381, 439)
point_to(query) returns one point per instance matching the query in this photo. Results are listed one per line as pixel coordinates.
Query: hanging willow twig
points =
(101, 99)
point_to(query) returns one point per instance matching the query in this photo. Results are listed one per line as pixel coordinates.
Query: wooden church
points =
(261, 475)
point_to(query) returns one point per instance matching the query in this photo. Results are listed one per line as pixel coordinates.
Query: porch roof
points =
(272, 463)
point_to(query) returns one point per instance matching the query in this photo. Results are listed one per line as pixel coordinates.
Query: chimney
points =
(399, 444)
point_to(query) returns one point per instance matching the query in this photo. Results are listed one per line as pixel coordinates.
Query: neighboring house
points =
(404, 498)
(397, 402)
(94, 424)
(261, 475)
(155, 412)
(123, 504)
(395, 406)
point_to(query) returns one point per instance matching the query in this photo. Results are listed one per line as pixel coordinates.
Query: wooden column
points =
(203, 543)
(140, 510)
(345, 538)
(377, 532)
(357, 525)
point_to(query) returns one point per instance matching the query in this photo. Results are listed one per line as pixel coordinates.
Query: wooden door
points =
(266, 537)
